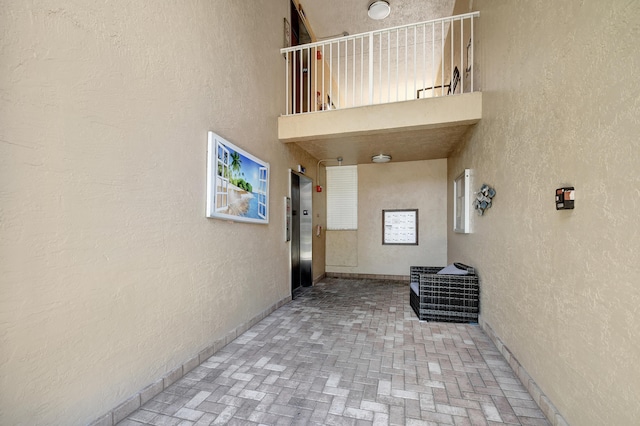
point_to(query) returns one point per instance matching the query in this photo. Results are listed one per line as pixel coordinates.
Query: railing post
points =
(406, 60)
(452, 32)
(461, 55)
(442, 60)
(294, 74)
(370, 69)
(315, 77)
(362, 71)
(300, 85)
(286, 83)
(330, 97)
(345, 102)
(324, 95)
(309, 79)
(471, 58)
(433, 60)
(338, 98)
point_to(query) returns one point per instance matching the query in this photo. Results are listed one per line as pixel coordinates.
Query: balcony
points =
(406, 91)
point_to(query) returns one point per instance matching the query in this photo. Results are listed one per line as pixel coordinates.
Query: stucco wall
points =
(410, 185)
(111, 276)
(561, 106)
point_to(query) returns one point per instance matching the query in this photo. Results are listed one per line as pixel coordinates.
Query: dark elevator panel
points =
(301, 231)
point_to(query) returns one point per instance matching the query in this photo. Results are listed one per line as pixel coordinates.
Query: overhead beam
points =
(419, 114)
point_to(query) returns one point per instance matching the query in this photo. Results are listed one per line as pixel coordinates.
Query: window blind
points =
(342, 198)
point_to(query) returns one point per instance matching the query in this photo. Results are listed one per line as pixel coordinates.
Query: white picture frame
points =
(237, 183)
(462, 202)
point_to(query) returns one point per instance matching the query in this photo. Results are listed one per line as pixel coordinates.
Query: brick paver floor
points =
(348, 352)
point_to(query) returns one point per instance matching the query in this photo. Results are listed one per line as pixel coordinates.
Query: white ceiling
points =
(331, 17)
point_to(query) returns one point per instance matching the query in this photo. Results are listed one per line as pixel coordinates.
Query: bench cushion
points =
(415, 287)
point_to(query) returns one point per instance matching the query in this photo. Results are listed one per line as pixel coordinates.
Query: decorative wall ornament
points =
(483, 198)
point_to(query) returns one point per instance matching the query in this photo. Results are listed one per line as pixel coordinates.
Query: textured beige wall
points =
(111, 276)
(561, 288)
(319, 202)
(342, 248)
(410, 185)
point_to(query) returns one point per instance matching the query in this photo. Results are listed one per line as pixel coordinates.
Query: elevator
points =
(301, 232)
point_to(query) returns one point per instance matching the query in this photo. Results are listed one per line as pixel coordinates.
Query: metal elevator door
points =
(301, 231)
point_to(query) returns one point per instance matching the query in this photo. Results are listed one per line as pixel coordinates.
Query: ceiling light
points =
(381, 158)
(379, 9)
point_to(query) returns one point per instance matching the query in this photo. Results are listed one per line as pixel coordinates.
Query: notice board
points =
(400, 227)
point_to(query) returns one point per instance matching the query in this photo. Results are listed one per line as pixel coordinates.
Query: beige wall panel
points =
(319, 201)
(560, 288)
(410, 185)
(111, 274)
(342, 248)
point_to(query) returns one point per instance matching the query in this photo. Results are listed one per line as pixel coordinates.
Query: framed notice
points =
(400, 227)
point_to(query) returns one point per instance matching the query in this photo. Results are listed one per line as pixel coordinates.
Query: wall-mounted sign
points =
(237, 183)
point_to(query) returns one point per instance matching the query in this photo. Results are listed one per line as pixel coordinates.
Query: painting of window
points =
(222, 178)
(262, 192)
(237, 183)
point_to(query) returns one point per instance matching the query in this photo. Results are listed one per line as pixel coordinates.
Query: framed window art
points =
(237, 183)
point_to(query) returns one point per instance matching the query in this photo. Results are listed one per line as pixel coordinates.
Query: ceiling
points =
(332, 17)
(409, 145)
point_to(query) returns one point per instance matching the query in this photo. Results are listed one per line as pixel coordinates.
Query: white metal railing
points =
(384, 66)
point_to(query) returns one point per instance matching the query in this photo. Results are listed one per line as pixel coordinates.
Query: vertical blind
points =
(342, 198)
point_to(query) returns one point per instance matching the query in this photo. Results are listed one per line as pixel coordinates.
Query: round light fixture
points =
(381, 158)
(379, 9)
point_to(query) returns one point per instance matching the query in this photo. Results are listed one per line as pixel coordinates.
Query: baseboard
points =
(319, 278)
(122, 410)
(367, 276)
(545, 404)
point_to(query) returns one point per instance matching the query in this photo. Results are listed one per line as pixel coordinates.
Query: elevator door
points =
(301, 231)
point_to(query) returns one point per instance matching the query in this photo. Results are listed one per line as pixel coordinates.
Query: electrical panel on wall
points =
(565, 198)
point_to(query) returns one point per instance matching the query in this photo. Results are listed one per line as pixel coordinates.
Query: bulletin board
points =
(400, 227)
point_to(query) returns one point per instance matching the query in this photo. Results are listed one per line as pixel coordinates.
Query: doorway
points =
(301, 232)
(300, 69)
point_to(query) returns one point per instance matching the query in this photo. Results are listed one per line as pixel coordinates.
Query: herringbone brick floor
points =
(348, 352)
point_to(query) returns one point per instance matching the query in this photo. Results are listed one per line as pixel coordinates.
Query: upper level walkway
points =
(407, 91)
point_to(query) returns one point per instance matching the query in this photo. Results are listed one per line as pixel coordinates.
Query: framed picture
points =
(461, 201)
(237, 183)
(400, 227)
